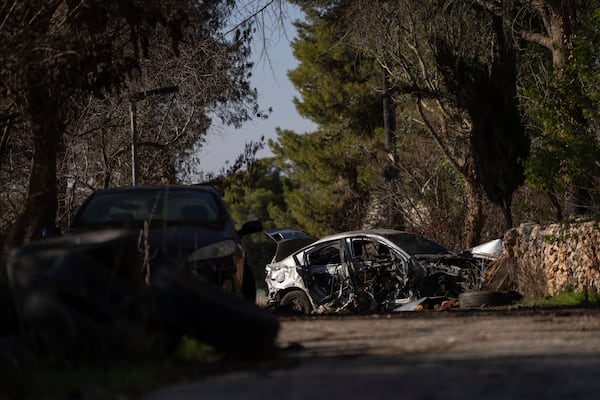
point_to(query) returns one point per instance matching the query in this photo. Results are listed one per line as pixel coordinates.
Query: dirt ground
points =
(498, 354)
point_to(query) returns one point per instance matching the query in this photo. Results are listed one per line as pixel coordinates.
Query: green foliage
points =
(486, 89)
(566, 146)
(256, 191)
(565, 152)
(251, 192)
(570, 298)
(191, 350)
(336, 84)
(567, 232)
(331, 174)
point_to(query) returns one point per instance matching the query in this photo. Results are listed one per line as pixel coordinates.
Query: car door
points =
(325, 271)
(378, 271)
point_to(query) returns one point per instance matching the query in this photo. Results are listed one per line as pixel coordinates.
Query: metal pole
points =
(132, 112)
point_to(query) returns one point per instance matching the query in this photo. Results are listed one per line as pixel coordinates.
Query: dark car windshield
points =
(416, 245)
(133, 207)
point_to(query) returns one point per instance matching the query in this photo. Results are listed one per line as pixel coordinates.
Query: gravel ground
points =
(496, 354)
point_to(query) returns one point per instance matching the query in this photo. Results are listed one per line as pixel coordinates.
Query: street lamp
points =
(133, 99)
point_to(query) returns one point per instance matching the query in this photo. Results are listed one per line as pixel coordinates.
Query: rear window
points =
(180, 206)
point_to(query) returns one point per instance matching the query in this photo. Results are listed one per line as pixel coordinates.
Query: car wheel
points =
(296, 302)
(484, 298)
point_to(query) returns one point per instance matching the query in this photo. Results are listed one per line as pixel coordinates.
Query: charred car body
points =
(362, 271)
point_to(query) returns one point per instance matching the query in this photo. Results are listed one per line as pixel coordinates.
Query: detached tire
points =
(483, 298)
(295, 302)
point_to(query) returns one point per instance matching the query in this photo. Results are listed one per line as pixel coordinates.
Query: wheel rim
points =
(297, 305)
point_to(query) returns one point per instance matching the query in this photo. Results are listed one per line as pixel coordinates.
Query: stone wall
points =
(547, 260)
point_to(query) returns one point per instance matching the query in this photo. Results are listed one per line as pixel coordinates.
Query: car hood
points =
(288, 241)
(185, 237)
(175, 236)
(490, 250)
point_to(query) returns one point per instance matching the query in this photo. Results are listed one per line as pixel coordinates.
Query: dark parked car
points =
(179, 226)
(371, 270)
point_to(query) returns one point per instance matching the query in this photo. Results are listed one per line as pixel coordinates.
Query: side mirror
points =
(250, 227)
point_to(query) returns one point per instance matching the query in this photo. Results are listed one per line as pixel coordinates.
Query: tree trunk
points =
(507, 212)
(473, 224)
(558, 214)
(393, 218)
(41, 203)
(561, 27)
(389, 125)
(64, 194)
(5, 137)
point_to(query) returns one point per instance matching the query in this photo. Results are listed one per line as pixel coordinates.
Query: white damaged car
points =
(362, 271)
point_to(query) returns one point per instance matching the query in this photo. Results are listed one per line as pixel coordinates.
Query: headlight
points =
(279, 277)
(225, 248)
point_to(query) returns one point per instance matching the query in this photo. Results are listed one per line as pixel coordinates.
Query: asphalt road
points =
(503, 354)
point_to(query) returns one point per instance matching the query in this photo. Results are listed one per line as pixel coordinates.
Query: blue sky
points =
(274, 90)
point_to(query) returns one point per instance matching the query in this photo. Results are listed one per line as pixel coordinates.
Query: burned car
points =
(362, 271)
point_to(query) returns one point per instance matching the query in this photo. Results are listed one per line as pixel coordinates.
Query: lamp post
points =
(133, 99)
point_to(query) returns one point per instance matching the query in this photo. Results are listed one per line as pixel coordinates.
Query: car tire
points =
(249, 284)
(484, 298)
(295, 301)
